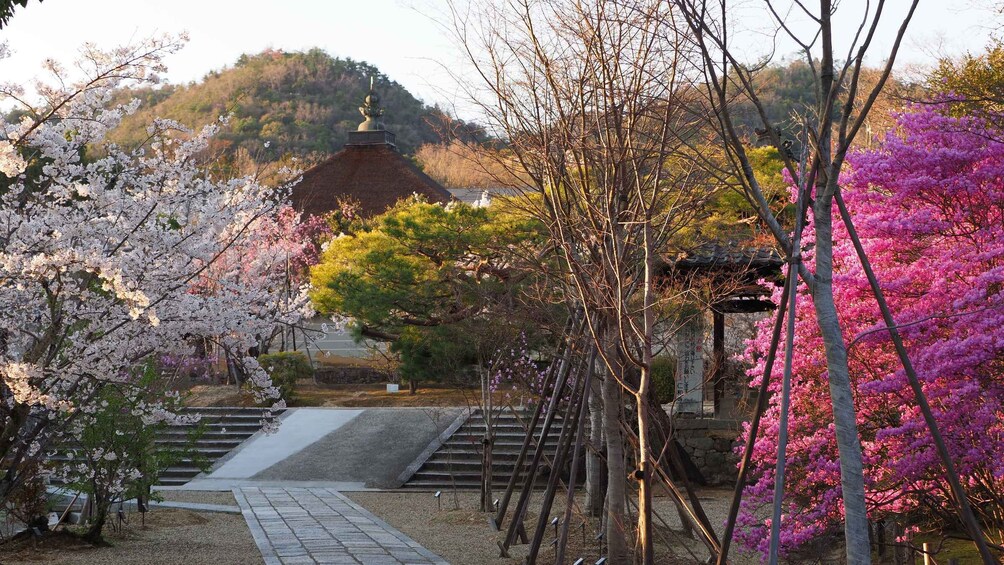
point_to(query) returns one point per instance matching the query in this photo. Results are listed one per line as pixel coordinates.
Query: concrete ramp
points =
(374, 447)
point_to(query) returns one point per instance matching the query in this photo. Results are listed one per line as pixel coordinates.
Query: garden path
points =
(320, 525)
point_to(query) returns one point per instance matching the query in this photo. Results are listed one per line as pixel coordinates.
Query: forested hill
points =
(302, 104)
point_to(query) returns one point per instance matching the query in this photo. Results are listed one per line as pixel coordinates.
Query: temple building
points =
(369, 170)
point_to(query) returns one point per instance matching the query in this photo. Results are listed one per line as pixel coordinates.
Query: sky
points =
(400, 37)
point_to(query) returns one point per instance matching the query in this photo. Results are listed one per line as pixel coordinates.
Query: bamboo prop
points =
(794, 260)
(561, 370)
(968, 518)
(704, 528)
(761, 406)
(62, 517)
(524, 498)
(664, 434)
(559, 557)
(573, 418)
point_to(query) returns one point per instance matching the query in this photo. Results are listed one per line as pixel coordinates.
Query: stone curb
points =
(434, 446)
(257, 532)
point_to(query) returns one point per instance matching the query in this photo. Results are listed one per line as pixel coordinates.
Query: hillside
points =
(282, 103)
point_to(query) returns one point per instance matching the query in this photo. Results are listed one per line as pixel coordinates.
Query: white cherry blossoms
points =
(110, 257)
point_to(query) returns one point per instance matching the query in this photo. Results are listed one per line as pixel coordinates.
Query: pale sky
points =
(398, 36)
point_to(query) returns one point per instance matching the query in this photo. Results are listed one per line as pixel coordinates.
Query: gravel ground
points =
(170, 537)
(462, 536)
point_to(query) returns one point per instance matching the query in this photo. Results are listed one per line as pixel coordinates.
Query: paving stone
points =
(319, 525)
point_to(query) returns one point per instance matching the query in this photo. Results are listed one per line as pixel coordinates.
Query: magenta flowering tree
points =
(929, 207)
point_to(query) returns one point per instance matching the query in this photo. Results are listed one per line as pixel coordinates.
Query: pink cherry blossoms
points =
(929, 207)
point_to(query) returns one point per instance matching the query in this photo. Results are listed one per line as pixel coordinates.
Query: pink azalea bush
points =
(929, 207)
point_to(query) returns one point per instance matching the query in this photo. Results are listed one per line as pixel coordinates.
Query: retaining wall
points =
(709, 443)
(351, 375)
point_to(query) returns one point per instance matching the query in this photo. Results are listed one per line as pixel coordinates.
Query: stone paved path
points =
(320, 525)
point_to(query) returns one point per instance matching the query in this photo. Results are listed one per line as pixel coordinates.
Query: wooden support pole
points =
(557, 370)
(559, 557)
(761, 407)
(571, 425)
(794, 262)
(695, 515)
(538, 453)
(664, 431)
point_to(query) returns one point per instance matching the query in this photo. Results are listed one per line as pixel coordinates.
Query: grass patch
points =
(962, 550)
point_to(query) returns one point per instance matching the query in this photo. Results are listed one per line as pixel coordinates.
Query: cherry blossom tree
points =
(929, 209)
(110, 257)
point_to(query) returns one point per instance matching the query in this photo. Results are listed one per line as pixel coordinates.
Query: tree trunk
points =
(98, 517)
(841, 396)
(616, 532)
(412, 386)
(644, 473)
(595, 470)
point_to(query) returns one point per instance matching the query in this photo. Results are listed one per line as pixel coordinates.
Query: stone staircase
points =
(225, 429)
(457, 462)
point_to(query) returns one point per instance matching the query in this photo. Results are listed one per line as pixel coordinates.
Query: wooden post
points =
(718, 358)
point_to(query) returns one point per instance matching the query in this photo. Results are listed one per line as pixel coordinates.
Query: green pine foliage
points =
(440, 283)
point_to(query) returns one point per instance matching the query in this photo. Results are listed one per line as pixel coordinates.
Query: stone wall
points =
(709, 443)
(351, 375)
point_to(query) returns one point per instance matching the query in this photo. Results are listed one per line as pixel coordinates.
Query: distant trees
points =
(298, 103)
(973, 84)
(465, 165)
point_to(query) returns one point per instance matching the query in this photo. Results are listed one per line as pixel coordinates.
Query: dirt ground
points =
(349, 396)
(461, 534)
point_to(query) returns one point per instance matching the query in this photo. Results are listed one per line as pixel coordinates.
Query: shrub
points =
(285, 368)
(664, 378)
(115, 455)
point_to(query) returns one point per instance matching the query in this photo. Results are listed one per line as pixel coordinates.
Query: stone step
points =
(209, 443)
(224, 428)
(458, 460)
(468, 467)
(469, 454)
(464, 481)
(514, 437)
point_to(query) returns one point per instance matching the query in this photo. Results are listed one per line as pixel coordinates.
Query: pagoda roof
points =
(735, 271)
(374, 174)
(730, 257)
